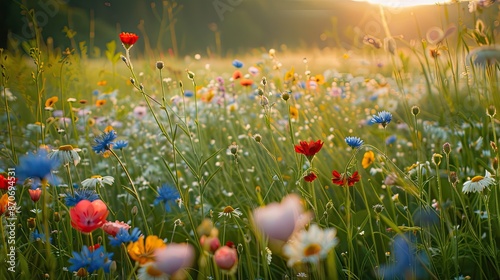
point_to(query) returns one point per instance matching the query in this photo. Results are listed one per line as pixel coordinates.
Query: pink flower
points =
(209, 243)
(226, 258)
(112, 228)
(281, 220)
(174, 257)
(87, 216)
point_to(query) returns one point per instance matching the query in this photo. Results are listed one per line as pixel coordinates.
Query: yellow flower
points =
(289, 75)
(108, 129)
(51, 101)
(143, 252)
(294, 113)
(368, 159)
(320, 79)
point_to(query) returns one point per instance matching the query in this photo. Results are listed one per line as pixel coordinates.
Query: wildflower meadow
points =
(376, 162)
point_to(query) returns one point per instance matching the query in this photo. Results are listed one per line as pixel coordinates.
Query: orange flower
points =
(100, 102)
(320, 79)
(246, 82)
(144, 252)
(237, 74)
(128, 39)
(368, 159)
(87, 216)
(51, 101)
(102, 83)
(4, 201)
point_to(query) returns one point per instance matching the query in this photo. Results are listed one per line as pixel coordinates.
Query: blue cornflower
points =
(390, 140)
(104, 141)
(383, 118)
(35, 236)
(188, 93)
(90, 260)
(408, 262)
(36, 166)
(354, 142)
(124, 237)
(237, 63)
(84, 194)
(168, 195)
(120, 144)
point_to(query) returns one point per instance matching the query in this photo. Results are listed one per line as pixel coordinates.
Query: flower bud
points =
(260, 91)
(160, 65)
(233, 149)
(285, 95)
(493, 146)
(57, 217)
(491, 111)
(190, 74)
(132, 81)
(415, 110)
(31, 223)
(436, 159)
(264, 101)
(124, 59)
(264, 81)
(134, 210)
(226, 258)
(257, 138)
(447, 148)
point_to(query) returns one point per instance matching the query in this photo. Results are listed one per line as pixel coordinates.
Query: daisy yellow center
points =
(477, 179)
(96, 177)
(312, 249)
(153, 271)
(228, 209)
(66, 148)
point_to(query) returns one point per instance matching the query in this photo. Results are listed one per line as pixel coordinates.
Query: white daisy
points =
(149, 272)
(98, 180)
(478, 183)
(229, 212)
(311, 245)
(66, 154)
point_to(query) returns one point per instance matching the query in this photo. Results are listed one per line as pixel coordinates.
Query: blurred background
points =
(220, 27)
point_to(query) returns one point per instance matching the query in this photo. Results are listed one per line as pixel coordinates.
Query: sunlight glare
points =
(405, 3)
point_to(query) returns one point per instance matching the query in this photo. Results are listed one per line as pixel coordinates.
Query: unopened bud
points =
(132, 81)
(264, 81)
(31, 223)
(257, 138)
(57, 217)
(264, 101)
(491, 111)
(112, 267)
(494, 146)
(160, 65)
(436, 159)
(260, 91)
(415, 110)
(285, 95)
(233, 149)
(124, 59)
(447, 148)
(453, 178)
(134, 210)
(190, 74)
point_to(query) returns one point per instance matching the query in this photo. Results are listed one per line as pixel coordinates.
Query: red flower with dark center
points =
(343, 179)
(128, 39)
(246, 82)
(5, 182)
(309, 149)
(87, 216)
(310, 177)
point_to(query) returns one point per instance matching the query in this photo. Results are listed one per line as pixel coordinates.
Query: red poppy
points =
(309, 149)
(128, 39)
(237, 74)
(246, 82)
(35, 194)
(5, 182)
(342, 179)
(310, 177)
(87, 216)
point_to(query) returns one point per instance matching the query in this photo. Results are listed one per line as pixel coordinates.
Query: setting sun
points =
(405, 3)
